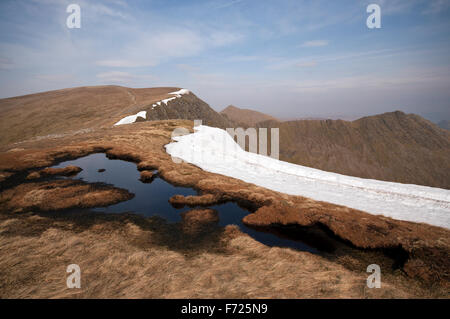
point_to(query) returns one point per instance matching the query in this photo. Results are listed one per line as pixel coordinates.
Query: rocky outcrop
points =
(189, 107)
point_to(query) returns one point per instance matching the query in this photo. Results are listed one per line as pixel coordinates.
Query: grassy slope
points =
(66, 110)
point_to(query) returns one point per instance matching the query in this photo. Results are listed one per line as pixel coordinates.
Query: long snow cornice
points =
(213, 150)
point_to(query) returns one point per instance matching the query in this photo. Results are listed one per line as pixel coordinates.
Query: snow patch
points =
(180, 92)
(168, 100)
(213, 150)
(132, 118)
(177, 94)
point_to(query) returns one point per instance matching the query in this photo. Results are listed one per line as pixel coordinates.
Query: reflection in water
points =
(153, 199)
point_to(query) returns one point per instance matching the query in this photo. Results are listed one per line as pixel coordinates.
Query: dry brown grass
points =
(202, 200)
(130, 257)
(59, 195)
(199, 221)
(147, 176)
(49, 171)
(4, 176)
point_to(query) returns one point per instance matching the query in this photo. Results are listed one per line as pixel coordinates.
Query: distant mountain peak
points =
(246, 117)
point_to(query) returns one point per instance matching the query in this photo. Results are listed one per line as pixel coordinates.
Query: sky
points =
(288, 58)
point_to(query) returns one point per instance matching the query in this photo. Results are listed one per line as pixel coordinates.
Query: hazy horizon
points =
(290, 59)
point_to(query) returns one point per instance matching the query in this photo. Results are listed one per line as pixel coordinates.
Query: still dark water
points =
(152, 199)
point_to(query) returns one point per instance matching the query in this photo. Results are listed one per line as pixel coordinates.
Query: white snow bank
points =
(177, 94)
(213, 150)
(165, 101)
(132, 118)
(180, 92)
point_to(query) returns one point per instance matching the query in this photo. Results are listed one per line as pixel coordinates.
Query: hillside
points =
(393, 146)
(246, 117)
(84, 108)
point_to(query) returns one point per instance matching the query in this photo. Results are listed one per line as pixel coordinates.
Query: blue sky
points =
(288, 58)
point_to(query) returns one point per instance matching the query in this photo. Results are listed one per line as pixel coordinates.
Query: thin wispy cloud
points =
(437, 6)
(124, 78)
(226, 4)
(6, 64)
(158, 47)
(55, 78)
(121, 63)
(358, 82)
(401, 7)
(306, 64)
(100, 9)
(115, 76)
(315, 43)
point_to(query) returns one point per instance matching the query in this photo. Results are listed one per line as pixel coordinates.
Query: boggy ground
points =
(131, 256)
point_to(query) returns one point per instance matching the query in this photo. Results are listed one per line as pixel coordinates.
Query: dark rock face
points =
(188, 107)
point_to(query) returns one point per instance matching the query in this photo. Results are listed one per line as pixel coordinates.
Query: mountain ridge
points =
(246, 117)
(392, 146)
